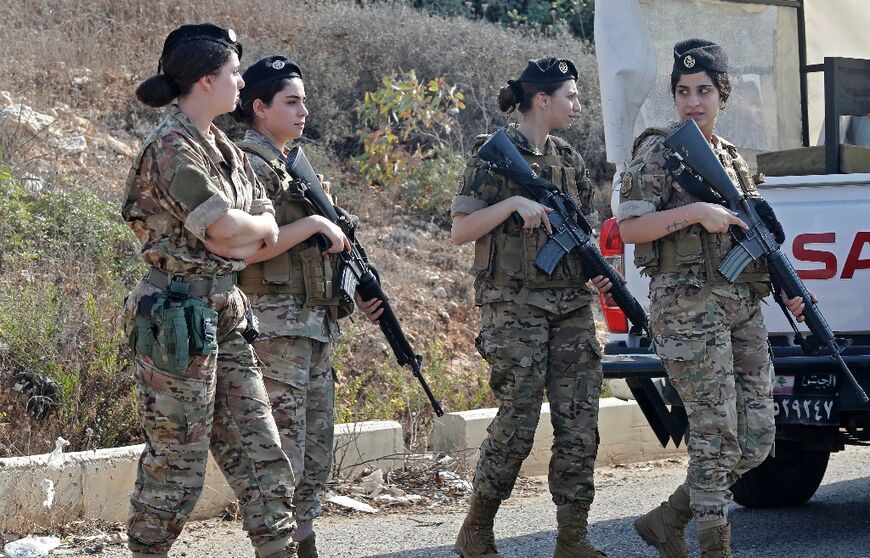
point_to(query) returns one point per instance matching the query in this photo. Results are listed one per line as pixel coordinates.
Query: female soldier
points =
(709, 334)
(198, 383)
(536, 331)
(292, 288)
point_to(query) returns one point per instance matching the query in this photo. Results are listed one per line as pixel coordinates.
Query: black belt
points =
(195, 287)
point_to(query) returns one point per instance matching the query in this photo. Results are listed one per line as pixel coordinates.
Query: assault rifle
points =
(357, 274)
(570, 229)
(691, 150)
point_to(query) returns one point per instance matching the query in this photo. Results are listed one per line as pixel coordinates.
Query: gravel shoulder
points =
(835, 522)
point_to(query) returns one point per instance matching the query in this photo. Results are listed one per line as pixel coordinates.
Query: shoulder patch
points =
(645, 138)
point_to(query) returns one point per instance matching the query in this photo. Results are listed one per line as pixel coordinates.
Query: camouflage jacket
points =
(285, 314)
(182, 182)
(689, 255)
(479, 188)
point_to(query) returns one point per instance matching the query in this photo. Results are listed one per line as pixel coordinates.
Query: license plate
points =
(812, 410)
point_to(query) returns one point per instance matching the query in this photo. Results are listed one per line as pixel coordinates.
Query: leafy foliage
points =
(66, 261)
(405, 122)
(574, 16)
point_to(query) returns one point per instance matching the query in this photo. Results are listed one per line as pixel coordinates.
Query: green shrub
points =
(67, 262)
(575, 16)
(405, 122)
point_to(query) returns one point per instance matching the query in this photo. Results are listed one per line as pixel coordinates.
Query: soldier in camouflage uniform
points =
(293, 289)
(709, 333)
(537, 331)
(198, 383)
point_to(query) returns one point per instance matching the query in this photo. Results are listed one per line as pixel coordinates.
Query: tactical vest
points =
(506, 255)
(691, 249)
(302, 270)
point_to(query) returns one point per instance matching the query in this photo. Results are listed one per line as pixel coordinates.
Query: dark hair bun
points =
(507, 99)
(158, 90)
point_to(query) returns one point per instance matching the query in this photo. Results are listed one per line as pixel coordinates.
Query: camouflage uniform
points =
(179, 185)
(709, 334)
(296, 337)
(537, 333)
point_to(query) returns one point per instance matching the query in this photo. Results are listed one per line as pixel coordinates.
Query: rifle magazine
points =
(549, 257)
(734, 262)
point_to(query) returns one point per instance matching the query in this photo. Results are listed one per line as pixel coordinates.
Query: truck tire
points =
(789, 479)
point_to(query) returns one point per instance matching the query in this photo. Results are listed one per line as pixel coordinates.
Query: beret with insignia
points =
(199, 32)
(548, 70)
(698, 55)
(267, 70)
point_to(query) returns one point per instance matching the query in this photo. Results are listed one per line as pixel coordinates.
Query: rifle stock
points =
(694, 152)
(357, 275)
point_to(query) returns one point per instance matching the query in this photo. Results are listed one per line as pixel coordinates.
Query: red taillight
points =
(613, 251)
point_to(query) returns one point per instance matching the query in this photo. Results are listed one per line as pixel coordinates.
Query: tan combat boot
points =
(476, 539)
(665, 526)
(571, 542)
(307, 548)
(715, 542)
(279, 548)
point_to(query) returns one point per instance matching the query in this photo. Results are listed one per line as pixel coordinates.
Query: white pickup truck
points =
(826, 218)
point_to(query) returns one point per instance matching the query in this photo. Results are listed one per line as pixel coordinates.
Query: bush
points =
(404, 123)
(576, 16)
(66, 265)
(409, 141)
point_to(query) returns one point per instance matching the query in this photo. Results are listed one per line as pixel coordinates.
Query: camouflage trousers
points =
(531, 350)
(218, 402)
(301, 387)
(713, 344)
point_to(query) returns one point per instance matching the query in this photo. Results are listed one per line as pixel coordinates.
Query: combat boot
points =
(715, 542)
(307, 548)
(571, 542)
(283, 548)
(665, 526)
(476, 539)
(150, 555)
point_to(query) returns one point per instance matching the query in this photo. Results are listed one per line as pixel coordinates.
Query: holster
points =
(171, 327)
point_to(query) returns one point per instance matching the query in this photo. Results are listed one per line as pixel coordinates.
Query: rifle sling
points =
(689, 182)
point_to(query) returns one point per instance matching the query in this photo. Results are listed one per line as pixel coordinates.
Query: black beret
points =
(697, 55)
(200, 32)
(269, 69)
(548, 70)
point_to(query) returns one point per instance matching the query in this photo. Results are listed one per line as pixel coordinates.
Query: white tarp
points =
(834, 28)
(627, 71)
(761, 43)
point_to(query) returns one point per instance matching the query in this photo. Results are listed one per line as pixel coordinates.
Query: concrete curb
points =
(97, 484)
(625, 436)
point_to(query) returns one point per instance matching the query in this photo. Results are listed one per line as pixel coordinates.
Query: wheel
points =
(789, 479)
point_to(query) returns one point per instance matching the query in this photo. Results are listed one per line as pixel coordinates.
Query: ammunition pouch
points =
(507, 254)
(317, 275)
(303, 270)
(170, 327)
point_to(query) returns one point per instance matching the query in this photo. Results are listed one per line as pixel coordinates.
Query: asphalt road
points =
(834, 523)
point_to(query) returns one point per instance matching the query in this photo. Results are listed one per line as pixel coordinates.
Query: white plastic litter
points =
(31, 547)
(48, 489)
(347, 502)
(452, 479)
(55, 458)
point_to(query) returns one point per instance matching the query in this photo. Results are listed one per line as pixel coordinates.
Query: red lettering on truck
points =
(828, 259)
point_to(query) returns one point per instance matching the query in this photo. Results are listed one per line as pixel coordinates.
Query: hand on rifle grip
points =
(796, 305)
(371, 308)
